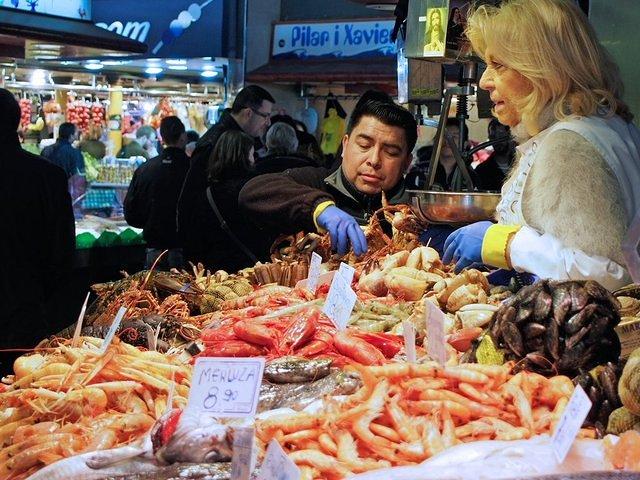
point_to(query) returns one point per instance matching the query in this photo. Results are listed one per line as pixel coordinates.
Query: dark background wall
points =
(322, 9)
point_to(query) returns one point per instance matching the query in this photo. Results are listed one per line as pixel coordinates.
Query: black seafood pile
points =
(559, 327)
(601, 385)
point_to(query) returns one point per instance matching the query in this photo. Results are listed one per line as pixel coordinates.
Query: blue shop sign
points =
(80, 9)
(343, 39)
(171, 28)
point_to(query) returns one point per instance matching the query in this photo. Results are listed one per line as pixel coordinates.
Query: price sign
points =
(314, 271)
(242, 460)
(112, 330)
(572, 419)
(226, 387)
(340, 302)
(76, 333)
(277, 466)
(347, 272)
(409, 333)
(435, 333)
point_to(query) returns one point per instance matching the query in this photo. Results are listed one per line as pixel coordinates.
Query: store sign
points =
(171, 28)
(80, 9)
(347, 39)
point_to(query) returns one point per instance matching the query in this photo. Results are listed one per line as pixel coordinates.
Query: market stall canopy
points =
(40, 36)
(345, 51)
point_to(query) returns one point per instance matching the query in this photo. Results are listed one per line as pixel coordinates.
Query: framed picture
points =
(435, 32)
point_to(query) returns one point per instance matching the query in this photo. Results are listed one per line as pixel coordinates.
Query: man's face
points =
(374, 155)
(258, 119)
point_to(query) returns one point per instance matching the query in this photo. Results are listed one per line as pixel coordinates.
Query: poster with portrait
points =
(435, 32)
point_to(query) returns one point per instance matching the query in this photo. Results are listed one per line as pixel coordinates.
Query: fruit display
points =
(25, 112)
(78, 113)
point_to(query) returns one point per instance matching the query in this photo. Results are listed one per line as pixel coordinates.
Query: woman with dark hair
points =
(215, 232)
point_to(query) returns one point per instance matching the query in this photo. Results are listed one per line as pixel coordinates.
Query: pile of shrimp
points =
(68, 400)
(405, 413)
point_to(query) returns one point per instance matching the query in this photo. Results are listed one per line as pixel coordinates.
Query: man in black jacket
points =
(152, 197)
(376, 152)
(37, 240)
(251, 113)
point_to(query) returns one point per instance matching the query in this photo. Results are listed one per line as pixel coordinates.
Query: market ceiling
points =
(41, 36)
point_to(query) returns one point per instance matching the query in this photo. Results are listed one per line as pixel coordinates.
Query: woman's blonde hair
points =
(552, 44)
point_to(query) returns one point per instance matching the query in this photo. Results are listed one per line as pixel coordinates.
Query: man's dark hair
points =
(251, 97)
(171, 129)
(9, 113)
(372, 96)
(66, 130)
(230, 156)
(389, 114)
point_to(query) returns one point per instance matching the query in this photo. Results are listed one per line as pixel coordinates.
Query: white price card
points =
(340, 301)
(570, 423)
(78, 329)
(112, 330)
(314, 271)
(277, 466)
(631, 249)
(435, 333)
(409, 333)
(243, 459)
(226, 387)
(347, 271)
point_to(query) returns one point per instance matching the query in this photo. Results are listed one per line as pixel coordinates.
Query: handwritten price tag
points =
(112, 330)
(572, 419)
(277, 466)
(435, 333)
(409, 333)
(242, 460)
(226, 387)
(340, 302)
(314, 271)
(347, 272)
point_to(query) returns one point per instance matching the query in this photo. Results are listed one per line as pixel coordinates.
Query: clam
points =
(629, 306)
(475, 315)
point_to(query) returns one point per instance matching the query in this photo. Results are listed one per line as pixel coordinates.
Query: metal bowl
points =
(453, 207)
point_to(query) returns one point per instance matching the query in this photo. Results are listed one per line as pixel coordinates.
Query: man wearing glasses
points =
(250, 113)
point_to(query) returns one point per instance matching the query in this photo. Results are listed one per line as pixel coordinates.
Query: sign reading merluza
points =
(344, 39)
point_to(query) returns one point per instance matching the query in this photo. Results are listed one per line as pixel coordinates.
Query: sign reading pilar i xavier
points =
(346, 39)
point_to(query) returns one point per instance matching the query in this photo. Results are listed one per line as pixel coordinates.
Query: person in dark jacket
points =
(282, 146)
(152, 197)
(249, 113)
(63, 153)
(206, 240)
(376, 152)
(493, 171)
(37, 241)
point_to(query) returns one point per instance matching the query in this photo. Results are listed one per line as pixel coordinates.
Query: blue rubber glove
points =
(343, 230)
(464, 246)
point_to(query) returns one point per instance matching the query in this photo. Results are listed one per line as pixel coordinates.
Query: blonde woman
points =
(576, 185)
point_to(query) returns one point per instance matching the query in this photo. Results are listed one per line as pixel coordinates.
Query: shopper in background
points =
(152, 197)
(142, 146)
(250, 113)
(192, 139)
(282, 148)
(567, 206)
(376, 152)
(493, 171)
(217, 233)
(37, 240)
(63, 153)
(91, 143)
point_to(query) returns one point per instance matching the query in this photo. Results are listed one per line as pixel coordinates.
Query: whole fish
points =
(296, 370)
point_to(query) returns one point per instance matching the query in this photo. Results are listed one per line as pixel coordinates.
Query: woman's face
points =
(506, 87)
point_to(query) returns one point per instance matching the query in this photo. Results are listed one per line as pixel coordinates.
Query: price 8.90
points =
(214, 396)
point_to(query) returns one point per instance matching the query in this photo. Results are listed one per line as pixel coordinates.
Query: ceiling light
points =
(115, 62)
(153, 70)
(39, 77)
(178, 67)
(153, 60)
(175, 61)
(93, 66)
(209, 73)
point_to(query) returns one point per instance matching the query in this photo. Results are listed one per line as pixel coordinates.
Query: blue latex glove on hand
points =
(464, 246)
(343, 230)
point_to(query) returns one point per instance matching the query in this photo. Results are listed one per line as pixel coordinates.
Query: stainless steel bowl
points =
(453, 207)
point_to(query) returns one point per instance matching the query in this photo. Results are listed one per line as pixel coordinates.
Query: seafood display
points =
(406, 413)
(69, 400)
(559, 327)
(627, 416)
